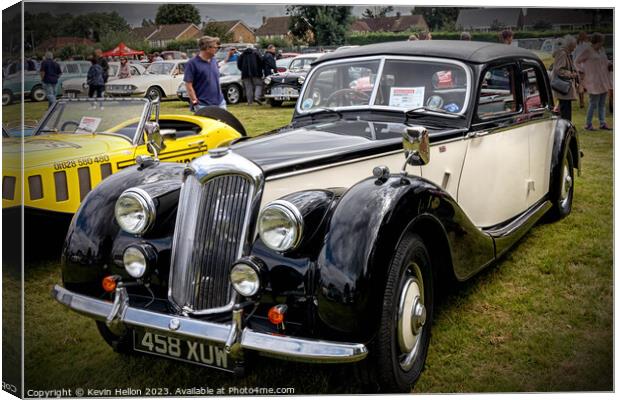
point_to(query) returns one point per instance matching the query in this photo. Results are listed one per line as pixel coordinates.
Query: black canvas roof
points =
(476, 52)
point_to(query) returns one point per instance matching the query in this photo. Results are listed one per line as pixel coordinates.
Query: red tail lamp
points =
(277, 314)
(109, 283)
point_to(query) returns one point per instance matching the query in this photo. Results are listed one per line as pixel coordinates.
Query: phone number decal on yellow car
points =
(80, 162)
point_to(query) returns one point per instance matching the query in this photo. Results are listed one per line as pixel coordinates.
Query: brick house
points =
(274, 27)
(160, 36)
(239, 30)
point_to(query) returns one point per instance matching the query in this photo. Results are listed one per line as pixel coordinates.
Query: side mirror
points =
(154, 138)
(416, 145)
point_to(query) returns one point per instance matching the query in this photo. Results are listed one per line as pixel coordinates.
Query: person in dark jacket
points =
(50, 72)
(104, 64)
(269, 61)
(95, 79)
(251, 66)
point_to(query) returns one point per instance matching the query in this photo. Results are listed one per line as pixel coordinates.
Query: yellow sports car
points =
(80, 142)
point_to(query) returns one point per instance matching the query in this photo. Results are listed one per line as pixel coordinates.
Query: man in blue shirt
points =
(50, 72)
(202, 76)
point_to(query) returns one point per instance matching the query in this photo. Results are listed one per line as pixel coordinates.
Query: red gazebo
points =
(122, 50)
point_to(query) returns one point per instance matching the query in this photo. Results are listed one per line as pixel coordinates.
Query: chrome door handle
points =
(477, 134)
(198, 143)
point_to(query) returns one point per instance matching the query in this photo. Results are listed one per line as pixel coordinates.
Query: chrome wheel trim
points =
(6, 97)
(153, 94)
(232, 93)
(567, 184)
(411, 317)
(39, 94)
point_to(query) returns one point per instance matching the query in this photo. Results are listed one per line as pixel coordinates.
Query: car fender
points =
(565, 137)
(87, 254)
(364, 230)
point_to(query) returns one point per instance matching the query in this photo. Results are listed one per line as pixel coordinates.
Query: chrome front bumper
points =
(233, 336)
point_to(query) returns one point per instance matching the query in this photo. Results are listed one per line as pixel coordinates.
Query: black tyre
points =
(120, 344)
(219, 114)
(38, 93)
(399, 353)
(7, 97)
(232, 93)
(154, 93)
(275, 103)
(562, 203)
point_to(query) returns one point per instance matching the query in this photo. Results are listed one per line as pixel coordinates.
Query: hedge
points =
(379, 37)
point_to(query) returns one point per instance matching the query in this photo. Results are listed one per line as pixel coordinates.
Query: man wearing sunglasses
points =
(202, 76)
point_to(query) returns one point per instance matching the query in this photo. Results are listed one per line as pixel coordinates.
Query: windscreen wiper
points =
(320, 110)
(426, 111)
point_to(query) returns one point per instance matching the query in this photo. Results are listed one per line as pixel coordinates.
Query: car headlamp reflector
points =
(301, 80)
(134, 211)
(245, 279)
(267, 80)
(280, 225)
(135, 261)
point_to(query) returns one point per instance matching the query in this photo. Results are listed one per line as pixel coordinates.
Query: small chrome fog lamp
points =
(135, 261)
(245, 277)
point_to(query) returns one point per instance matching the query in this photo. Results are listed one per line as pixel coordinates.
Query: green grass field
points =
(540, 320)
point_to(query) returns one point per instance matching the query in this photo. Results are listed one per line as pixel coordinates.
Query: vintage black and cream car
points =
(422, 163)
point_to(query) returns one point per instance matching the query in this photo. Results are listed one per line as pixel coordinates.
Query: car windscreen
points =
(98, 116)
(403, 84)
(160, 68)
(230, 68)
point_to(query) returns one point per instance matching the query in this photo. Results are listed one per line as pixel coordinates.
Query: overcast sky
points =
(251, 14)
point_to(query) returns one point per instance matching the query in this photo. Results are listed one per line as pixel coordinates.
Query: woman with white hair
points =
(564, 71)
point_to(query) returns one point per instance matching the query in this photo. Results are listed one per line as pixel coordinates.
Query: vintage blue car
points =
(406, 166)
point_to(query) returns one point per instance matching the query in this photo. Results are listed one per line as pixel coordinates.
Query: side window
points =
(497, 92)
(181, 68)
(134, 71)
(533, 82)
(296, 64)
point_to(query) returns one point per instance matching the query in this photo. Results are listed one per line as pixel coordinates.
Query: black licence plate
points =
(187, 350)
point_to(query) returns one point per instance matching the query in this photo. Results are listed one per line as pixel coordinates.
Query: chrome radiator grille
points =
(210, 233)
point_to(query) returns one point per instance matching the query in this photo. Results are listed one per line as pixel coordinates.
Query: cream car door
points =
(495, 179)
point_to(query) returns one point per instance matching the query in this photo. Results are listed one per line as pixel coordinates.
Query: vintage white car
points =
(160, 80)
(78, 87)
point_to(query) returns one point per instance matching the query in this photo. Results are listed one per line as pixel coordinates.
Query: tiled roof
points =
(228, 25)
(170, 32)
(143, 32)
(274, 26)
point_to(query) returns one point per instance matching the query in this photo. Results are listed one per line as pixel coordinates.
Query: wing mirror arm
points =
(154, 139)
(416, 146)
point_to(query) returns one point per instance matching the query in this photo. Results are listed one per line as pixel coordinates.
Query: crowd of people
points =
(202, 74)
(581, 66)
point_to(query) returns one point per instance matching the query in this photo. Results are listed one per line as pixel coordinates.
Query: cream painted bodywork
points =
(336, 175)
(541, 146)
(446, 164)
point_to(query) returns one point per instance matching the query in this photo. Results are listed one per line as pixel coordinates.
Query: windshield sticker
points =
(88, 125)
(407, 97)
(307, 104)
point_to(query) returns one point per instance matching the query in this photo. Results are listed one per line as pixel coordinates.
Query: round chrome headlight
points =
(301, 80)
(245, 279)
(280, 225)
(267, 80)
(134, 211)
(134, 261)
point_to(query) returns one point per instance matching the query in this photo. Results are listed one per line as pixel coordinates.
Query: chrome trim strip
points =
(279, 346)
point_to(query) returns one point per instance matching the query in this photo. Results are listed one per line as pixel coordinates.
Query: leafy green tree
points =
(542, 26)
(320, 25)
(96, 25)
(377, 11)
(437, 17)
(217, 30)
(177, 14)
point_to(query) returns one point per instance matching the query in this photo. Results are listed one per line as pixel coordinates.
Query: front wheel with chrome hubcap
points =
(562, 203)
(400, 349)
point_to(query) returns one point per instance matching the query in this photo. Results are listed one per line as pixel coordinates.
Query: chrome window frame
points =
(375, 89)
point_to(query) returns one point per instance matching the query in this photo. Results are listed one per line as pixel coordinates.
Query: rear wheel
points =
(562, 204)
(405, 326)
(154, 93)
(38, 93)
(219, 114)
(232, 94)
(7, 97)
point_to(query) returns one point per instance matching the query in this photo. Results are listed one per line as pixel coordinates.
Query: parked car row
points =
(406, 166)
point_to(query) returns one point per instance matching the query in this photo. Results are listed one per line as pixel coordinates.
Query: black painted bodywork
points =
(333, 282)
